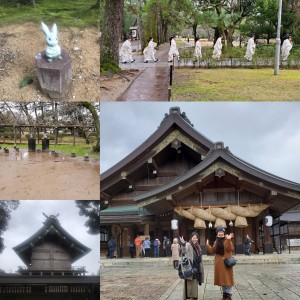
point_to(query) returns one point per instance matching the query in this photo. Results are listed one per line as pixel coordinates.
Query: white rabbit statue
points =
(53, 50)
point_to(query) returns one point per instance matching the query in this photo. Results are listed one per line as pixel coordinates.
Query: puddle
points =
(45, 175)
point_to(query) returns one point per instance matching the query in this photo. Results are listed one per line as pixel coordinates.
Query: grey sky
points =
(28, 218)
(265, 134)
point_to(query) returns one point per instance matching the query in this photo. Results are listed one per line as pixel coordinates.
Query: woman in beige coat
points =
(175, 253)
(222, 248)
(192, 251)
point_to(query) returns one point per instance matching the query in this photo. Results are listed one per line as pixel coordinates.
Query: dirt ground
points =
(41, 176)
(19, 43)
(113, 86)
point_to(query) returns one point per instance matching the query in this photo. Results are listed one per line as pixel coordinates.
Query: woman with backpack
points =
(192, 251)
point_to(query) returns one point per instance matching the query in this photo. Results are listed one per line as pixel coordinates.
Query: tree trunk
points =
(140, 24)
(111, 33)
(229, 37)
(195, 32)
(93, 111)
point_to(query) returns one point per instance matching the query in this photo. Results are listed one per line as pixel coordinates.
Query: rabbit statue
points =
(53, 51)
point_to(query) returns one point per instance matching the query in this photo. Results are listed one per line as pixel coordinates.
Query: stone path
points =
(152, 83)
(252, 282)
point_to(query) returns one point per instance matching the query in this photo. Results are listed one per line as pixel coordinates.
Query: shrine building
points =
(48, 273)
(179, 174)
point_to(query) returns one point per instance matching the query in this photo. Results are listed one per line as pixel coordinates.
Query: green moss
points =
(26, 80)
(109, 67)
(65, 13)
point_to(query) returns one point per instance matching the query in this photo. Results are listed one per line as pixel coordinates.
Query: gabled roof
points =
(53, 229)
(220, 153)
(174, 120)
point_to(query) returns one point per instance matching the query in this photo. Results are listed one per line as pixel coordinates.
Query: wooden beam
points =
(219, 190)
(152, 162)
(224, 205)
(170, 198)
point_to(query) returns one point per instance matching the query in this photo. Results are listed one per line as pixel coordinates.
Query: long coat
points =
(190, 287)
(173, 50)
(217, 49)
(175, 251)
(126, 51)
(286, 48)
(250, 49)
(223, 274)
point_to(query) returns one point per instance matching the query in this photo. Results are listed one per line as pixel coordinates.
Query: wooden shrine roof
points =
(51, 227)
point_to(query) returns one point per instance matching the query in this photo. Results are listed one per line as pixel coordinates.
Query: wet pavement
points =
(43, 176)
(152, 83)
(151, 281)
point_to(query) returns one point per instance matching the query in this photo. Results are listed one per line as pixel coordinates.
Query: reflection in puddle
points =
(24, 155)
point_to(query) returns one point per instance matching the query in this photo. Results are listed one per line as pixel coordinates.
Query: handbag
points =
(185, 269)
(229, 262)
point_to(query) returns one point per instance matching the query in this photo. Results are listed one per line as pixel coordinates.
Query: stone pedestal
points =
(31, 145)
(54, 77)
(45, 145)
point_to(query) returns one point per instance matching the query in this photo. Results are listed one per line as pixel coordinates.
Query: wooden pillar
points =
(146, 229)
(56, 135)
(202, 241)
(38, 134)
(238, 241)
(74, 136)
(15, 136)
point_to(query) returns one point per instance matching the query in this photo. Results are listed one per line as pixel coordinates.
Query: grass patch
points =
(235, 85)
(26, 80)
(80, 149)
(65, 13)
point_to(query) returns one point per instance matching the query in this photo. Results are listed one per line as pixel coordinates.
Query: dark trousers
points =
(168, 251)
(175, 264)
(147, 252)
(111, 253)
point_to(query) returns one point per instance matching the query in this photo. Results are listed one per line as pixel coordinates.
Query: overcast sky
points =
(29, 218)
(265, 134)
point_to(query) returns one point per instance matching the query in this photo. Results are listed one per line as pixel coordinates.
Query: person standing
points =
(138, 243)
(147, 247)
(286, 48)
(198, 54)
(222, 248)
(126, 51)
(218, 48)
(156, 245)
(247, 242)
(167, 246)
(131, 249)
(192, 251)
(173, 50)
(250, 48)
(175, 253)
(149, 51)
(112, 244)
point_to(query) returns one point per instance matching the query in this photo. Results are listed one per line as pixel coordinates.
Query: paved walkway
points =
(152, 83)
(149, 281)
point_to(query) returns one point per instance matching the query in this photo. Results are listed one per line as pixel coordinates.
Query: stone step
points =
(208, 260)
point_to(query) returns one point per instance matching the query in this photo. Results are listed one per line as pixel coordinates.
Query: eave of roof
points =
(78, 250)
(172, 121)
(228, 157)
